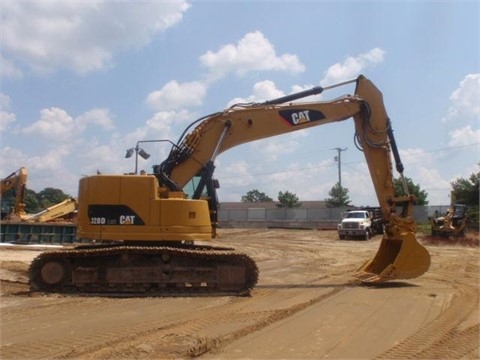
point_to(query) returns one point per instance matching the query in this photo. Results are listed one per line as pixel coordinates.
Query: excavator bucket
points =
(397, 258)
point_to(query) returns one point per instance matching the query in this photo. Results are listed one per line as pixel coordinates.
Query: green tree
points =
(50, 196)
(338, 197)
(414, 189)
(30, 200)
(288, 200)
(466, 191)
(8, 201)
(255, 196)
(32, 205)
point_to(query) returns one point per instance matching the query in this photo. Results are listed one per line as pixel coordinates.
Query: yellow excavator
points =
(17, 181)
(145, 227)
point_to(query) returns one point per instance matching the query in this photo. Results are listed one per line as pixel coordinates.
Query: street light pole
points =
(139, 151)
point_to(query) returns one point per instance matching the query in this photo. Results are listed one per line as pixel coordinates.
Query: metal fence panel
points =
(296, 214)
(256, 214)
(276, 214)
(420, 213)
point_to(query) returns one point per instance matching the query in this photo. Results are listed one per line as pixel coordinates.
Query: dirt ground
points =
(306, 305)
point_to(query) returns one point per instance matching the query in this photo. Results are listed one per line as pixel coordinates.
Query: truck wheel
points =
(367, 234)
(341, 237)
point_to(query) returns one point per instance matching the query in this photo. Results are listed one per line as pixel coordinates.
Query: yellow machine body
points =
(129, 207)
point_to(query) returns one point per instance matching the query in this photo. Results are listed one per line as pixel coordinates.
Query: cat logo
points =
(127, 219)
(301, 116)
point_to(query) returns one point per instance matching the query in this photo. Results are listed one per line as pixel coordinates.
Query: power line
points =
(348, 164)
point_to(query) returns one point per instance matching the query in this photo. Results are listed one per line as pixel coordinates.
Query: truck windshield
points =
(357, 215)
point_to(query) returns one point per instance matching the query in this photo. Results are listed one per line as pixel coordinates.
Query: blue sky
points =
(81, 82)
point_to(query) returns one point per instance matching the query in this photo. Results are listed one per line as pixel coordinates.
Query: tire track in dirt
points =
(46, 309)
(187, 328)
(157, 335)
(73, 341)
(187, 335)
(213, 344)
(76, 345)
(237, 316)
(445, 337)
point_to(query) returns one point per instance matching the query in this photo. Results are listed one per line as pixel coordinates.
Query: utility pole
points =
(339, 159)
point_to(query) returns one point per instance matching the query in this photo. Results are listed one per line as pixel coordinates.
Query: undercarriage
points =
(126, 270)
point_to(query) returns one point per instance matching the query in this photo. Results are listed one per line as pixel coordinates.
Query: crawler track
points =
(144, 270)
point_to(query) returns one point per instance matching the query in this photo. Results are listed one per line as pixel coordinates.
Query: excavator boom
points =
(54, 212)
(156, 224)
(400, 256)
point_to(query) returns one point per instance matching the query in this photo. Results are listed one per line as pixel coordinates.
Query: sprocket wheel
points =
(50, 274)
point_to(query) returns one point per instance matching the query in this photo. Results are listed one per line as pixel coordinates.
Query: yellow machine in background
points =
(59, 212)
(18, 182)
(52, 225)
(453, 223)
(147, 226)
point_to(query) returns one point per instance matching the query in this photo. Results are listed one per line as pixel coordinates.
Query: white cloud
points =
(275, 147)
(8, 69)
(266, 90)
(418, 168)
(97, 157)
(464, 136)
(465, 100)
(352, 66)
(174, 96)
(465, 110)
(12, 160)
(158, 126)
(253, 52)
(4, 101)
(56, 124)
(163, 125)
(81, 36)
(236, 173)
(262, 91)
(96, 117)
(6, 118)
(51, 160)
(307, 180)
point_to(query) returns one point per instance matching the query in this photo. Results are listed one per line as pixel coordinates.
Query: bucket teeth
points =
(369, 277)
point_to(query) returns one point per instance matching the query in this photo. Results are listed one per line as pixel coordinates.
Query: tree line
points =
(464, 191)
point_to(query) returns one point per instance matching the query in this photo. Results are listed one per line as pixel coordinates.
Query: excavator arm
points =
(399, 255)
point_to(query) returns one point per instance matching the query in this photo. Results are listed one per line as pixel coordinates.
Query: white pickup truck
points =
(362, 223)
